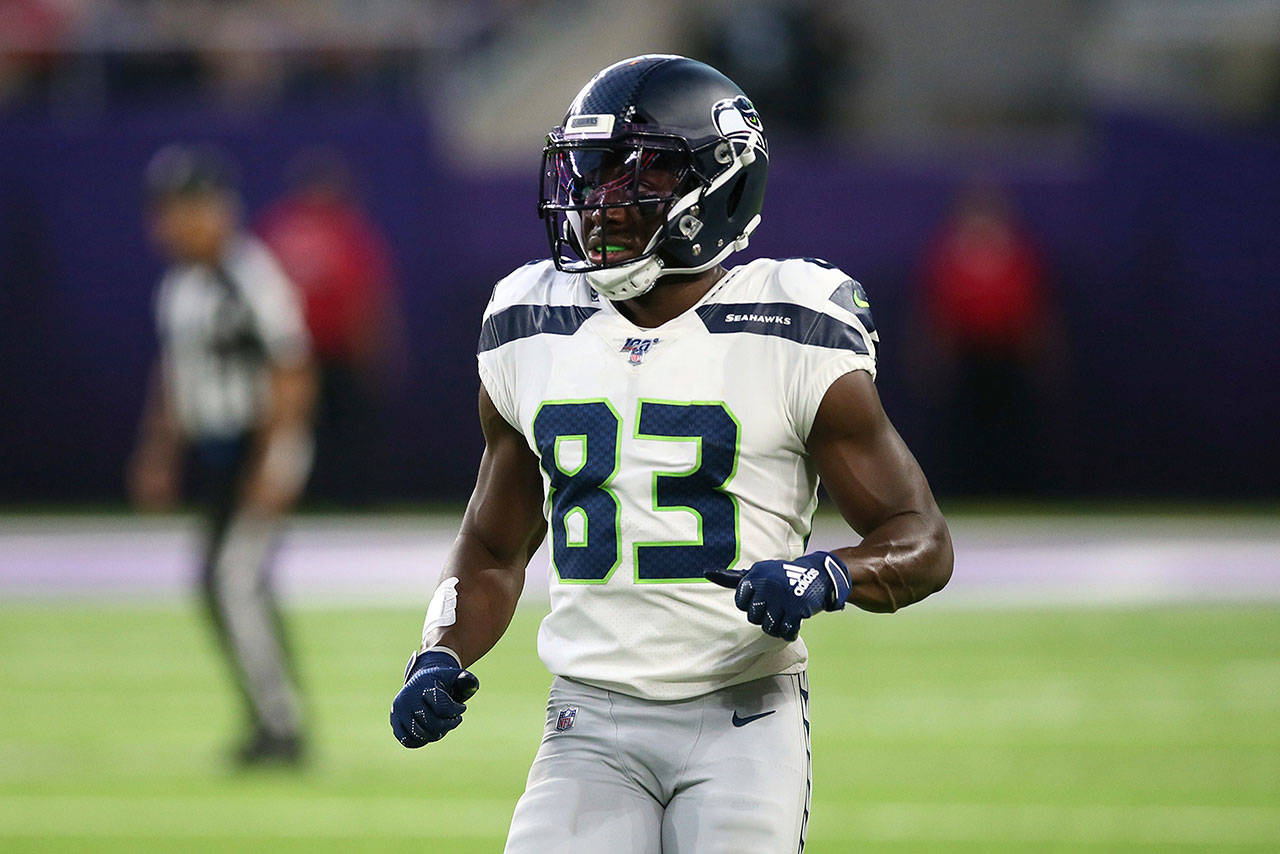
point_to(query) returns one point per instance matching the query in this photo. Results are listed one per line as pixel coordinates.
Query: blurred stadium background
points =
(1104, 671)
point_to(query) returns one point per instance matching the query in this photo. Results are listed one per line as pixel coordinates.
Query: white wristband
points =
(442, 612)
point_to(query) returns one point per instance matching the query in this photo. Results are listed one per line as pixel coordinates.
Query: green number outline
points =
(603, 487)
(697, 466)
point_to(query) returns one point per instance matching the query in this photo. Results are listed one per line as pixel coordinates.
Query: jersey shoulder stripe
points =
(536, 299)
(820, 313)
(784, 320)
(522, 321)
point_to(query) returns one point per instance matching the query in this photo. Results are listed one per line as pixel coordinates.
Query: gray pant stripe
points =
(249, 627)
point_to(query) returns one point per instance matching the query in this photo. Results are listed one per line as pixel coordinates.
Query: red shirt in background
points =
(341, 266)
(984, 285)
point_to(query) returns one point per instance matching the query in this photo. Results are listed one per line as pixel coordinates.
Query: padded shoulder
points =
(540, 283)
(536, 299)
(811, 283)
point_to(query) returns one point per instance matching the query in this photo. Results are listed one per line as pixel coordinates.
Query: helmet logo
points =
(738, 120)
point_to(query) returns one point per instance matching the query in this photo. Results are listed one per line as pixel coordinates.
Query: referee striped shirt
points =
(222, 328)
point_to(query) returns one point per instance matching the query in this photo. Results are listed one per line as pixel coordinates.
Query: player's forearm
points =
(900, 562)
(483, 600)
(290, 402)
(501, 530)
(282, 458)
(159, 441)
(159, 435)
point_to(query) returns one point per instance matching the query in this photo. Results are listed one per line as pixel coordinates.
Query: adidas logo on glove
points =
(799, 577)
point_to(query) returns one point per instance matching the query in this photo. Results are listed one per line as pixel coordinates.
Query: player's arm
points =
(501, 529)
(282, 457)
(905, 553)
(480, 585)
(153, 468)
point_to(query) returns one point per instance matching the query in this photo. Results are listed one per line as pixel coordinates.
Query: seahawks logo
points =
(737, 119)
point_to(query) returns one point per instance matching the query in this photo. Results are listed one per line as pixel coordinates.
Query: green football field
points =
(955, 728)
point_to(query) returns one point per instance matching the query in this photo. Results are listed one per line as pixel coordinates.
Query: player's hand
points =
(432, 700)
(778, 594)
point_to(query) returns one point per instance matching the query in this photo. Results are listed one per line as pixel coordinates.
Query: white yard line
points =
(1000, 560)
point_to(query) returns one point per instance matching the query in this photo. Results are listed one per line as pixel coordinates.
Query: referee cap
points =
(189, 170)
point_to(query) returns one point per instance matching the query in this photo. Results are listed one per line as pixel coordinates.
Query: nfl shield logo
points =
(565, 721)
(637, 347)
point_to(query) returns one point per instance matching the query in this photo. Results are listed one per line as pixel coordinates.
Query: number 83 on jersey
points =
(586, 544)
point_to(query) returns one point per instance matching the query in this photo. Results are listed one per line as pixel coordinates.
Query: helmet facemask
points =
(584, 186)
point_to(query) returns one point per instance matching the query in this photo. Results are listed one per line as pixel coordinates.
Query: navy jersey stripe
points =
(785, 320)
(522, 321)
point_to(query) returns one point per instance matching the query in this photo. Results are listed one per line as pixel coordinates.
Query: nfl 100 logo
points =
(637, 347)
(566, 719)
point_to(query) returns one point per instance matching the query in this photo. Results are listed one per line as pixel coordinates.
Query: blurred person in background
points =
(234, 383)
(985, 299)
(31, 35)
(340, 262)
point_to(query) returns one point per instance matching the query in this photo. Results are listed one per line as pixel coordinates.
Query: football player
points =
(668, 421)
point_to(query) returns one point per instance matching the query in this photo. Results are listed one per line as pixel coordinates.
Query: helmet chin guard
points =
(626, 281)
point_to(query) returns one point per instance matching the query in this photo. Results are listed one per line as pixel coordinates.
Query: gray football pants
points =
(724, 773)
(248, 622)
(237, 594)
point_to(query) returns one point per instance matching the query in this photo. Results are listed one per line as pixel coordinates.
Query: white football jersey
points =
(667, 452)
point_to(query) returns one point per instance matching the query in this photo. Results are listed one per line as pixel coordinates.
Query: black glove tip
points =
(465, 686)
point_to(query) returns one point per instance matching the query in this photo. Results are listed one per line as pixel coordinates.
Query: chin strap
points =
(628, 280)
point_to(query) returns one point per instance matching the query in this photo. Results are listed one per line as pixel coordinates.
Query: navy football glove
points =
(778, 594)
(433, 698)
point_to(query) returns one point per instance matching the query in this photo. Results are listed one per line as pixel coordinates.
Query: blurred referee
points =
(233, 384)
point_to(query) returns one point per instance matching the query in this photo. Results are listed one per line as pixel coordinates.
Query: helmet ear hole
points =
(735, 195)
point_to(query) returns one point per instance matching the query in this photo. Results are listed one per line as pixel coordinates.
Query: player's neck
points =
(670, 298)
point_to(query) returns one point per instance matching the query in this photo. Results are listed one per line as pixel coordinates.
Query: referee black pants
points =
(237, 593)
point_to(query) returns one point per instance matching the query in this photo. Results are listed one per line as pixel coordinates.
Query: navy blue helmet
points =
(671, 137)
